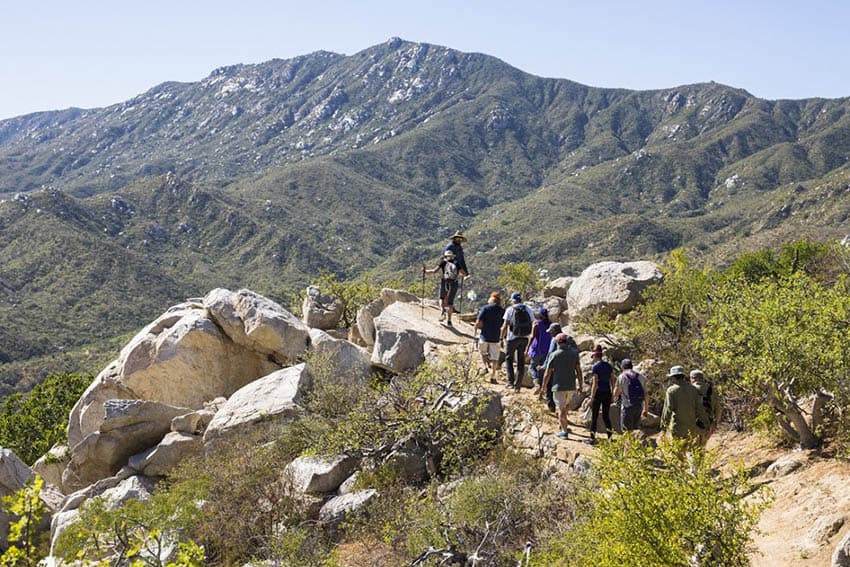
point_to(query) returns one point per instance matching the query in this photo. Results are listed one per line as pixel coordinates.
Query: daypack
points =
(706, 402)
(521, 322)
(635, 388)
(450, 271)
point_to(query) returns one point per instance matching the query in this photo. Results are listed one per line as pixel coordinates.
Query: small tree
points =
(31, 424)
(784, 341)
(520, 277)
(26, 506)
(353, 294)
(653, 508)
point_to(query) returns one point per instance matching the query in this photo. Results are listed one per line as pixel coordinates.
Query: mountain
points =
(264, 175)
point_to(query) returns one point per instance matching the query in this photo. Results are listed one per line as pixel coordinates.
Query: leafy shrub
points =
(27, 544)
(654, 508)
(353, 294)
(136, 533)
(30, 424)
(783, 341)
(521, 277)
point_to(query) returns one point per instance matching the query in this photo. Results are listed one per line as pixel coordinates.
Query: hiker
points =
(554, 331)
(600, 393)
(710, 401)
(516, 329)
(448, 284)
(564, 371)
(684, 416)
(538, 348)
(630, 393)
(455, 246)
(490, 322)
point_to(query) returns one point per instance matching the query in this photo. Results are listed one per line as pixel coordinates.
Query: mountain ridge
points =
(263, 175)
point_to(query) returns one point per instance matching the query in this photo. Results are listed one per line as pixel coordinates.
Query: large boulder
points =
(319, 475)
(558, 287)
(51, 465)
(340, 507)
(183, 359)
(390, 296)
(160, 460)
(115, 491)
(614, 287)
(258, 323)
(14, 475)
(272, 398)
(365, 322)
(400, 338)
(321, 311)
(346, 361)
(129, 427)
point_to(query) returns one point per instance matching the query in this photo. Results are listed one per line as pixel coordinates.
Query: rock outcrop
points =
(272, 398)
(614, 287)
(321, 311)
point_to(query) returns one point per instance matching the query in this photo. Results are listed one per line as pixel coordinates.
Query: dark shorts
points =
(448, 289)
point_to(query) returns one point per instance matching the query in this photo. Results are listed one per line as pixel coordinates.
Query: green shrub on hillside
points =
(521, 277)
(30, 424)
(353, 294)
(654, 508)
(783, 342)
(27, 543)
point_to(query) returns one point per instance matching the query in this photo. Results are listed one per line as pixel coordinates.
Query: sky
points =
(56, 54)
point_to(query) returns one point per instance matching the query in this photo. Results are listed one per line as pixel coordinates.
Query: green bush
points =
(30, 424)
(27, 543)
(656, 508)
(521, 277)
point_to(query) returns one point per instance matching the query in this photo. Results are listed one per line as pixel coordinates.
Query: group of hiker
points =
(519, 336)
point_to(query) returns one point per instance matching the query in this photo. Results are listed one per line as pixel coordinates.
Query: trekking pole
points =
(460, 294)
(422, 302)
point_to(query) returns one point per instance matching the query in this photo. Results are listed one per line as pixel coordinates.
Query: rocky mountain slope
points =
(263, 175)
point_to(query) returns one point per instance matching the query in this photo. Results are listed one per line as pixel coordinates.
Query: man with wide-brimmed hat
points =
(456, 246)
(684, 416)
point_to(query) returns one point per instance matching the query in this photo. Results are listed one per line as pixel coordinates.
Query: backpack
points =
(450, 271)
(635, 388)
(521, 322)
(706, 402)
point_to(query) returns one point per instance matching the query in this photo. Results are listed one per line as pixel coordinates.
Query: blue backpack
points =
(635, 388)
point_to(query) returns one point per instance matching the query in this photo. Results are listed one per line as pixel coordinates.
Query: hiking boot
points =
(443, 316)
(562, 434)
(449, 323)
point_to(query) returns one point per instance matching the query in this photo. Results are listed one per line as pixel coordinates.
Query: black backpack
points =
(635, 388)
(521, 322)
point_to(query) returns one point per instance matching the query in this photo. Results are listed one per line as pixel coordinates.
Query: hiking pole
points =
(422, 303)
(460, 295)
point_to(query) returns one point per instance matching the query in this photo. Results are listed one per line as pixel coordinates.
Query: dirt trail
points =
(810, 511)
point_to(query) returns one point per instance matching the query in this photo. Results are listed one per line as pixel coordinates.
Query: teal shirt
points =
(563, 362)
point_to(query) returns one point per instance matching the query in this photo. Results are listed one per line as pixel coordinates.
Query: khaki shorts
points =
(490, 350)
(560, 399)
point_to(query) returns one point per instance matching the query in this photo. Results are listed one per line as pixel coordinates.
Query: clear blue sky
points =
(61, 53)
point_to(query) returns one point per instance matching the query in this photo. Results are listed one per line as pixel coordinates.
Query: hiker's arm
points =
(504, 331)
(593, 384)
(579, 377)
(546, 376)
(665, 413)
(528, 348)
(479, 323)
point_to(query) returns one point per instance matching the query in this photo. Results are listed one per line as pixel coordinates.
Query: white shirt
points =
(509, 313)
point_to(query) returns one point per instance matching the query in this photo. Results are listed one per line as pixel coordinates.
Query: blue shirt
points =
(491, 322)
(603, 371)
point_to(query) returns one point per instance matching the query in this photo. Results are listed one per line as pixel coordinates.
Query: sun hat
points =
(697, 374)
(676, 371)
(554, 328)
(458, 235)
(448, 254)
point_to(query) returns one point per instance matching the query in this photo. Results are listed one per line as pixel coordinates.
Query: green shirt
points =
(562, 362)
(682, 409)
